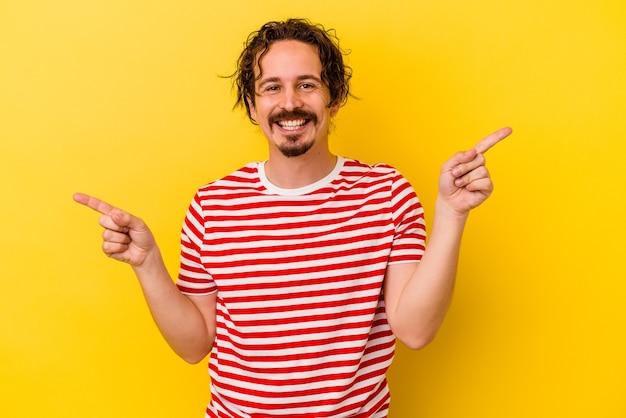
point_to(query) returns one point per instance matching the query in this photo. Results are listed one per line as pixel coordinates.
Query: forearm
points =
(426, 296)
(178, 319)
(417, 297)
(128, 239)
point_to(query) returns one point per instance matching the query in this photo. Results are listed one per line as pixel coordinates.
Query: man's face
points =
(291, 102)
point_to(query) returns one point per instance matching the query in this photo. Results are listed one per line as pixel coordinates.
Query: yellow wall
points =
(121, 99)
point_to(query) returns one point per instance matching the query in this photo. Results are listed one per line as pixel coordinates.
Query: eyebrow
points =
(269, 80)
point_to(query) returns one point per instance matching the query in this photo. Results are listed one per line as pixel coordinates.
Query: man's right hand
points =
(125, 238)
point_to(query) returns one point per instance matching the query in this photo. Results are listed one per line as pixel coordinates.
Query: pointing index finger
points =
(93, 203)
(485, 144)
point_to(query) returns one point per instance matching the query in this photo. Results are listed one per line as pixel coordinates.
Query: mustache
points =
(293, 114)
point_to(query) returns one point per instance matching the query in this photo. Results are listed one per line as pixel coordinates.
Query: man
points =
(298, 273)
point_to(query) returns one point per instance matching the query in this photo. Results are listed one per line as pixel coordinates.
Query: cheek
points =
(322, 99)
(261, 108)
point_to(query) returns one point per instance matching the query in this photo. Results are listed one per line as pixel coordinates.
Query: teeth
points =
(291, 124)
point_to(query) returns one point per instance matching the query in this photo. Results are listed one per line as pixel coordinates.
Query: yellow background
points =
(122, 99)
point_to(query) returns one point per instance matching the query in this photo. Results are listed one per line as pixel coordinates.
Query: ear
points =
(251, 106)
(334, 108)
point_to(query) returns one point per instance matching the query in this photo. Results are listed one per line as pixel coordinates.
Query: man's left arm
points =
(417, 295)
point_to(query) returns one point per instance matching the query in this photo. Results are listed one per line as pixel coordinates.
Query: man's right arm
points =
(186, 322)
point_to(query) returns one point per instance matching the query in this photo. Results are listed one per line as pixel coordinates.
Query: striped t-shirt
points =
(301, 323)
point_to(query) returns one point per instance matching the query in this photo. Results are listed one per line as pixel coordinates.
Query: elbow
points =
(416, 334)
(194, 358)
(194, 354)
(417, 341)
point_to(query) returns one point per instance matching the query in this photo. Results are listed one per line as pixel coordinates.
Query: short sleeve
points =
(409, 240)
(193, 277)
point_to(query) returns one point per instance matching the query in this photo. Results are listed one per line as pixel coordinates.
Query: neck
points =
(296, 172)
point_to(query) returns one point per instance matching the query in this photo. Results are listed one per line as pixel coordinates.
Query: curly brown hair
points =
(335, 73)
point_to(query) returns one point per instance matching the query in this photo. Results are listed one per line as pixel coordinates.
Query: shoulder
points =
(382, 176)
(355, 169)
(360, 166)
(246, 177)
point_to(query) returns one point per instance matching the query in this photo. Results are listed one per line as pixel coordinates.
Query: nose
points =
(291, 99)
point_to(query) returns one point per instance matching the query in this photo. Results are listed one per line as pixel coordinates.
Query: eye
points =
(307, 86)
(270, 88)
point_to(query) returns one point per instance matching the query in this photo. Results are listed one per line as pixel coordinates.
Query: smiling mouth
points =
(292, 125)
(293, 120)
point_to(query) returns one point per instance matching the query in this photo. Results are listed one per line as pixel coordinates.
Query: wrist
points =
(152, 263)
(444, 209)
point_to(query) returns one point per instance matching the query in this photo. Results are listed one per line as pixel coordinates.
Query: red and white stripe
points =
(302, 330)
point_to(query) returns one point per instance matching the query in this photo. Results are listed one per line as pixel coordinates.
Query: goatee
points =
(291, 148)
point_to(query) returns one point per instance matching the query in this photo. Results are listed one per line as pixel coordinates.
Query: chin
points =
(294, 151)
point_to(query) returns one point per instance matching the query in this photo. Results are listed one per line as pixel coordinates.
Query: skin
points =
(417, 295)
(291, 81)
